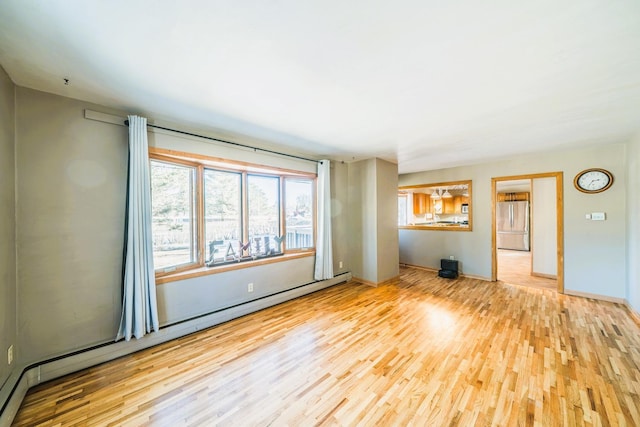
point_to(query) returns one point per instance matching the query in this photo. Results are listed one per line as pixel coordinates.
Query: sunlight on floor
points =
(514, 267)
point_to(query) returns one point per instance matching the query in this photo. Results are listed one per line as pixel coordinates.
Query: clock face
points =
(593, 180)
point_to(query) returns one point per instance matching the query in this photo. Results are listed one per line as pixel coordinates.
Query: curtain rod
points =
(126, 122)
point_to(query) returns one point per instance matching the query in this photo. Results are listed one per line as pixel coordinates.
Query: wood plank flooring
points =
(426, 351)
(514, 267)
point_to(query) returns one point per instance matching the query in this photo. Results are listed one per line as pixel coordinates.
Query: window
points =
(402, 209)
(222, 213)
(209, 212)
(264, 213)
(444, 206)
(173, 215)
(299, 213)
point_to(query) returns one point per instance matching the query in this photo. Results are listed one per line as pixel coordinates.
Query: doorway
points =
(533, 252)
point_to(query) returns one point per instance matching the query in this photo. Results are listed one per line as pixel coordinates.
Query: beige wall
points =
(544, 258)
(71, 199)
(387, 220)
(189, 144)
(7, 226)
(633, 223)
(186, 299)
(373, 220)
(357, 196)
(339, 217)
(72, 191)
(595, 254)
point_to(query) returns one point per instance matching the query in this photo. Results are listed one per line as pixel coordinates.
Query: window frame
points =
(202, 200)
(203, 162)
(196, 214)
(422, 188)
(314, 212)
(247, 223)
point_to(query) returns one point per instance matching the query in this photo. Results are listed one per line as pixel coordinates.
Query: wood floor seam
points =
(422, 350)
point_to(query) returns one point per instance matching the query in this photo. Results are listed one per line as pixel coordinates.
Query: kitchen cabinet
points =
(439, 206)
(513, 197)
(428, 204)
(421, 203)
(453, 205)
(449, 206)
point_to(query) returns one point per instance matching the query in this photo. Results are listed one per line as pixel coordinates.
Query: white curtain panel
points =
(139, 306)
(324, 253)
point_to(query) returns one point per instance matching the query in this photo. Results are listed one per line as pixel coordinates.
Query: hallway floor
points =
(514, 267)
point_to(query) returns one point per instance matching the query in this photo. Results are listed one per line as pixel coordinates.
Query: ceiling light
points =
(446, 195)
(435, 195)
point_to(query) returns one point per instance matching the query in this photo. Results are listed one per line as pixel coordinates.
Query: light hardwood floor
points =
(425, 351)
(514, 267)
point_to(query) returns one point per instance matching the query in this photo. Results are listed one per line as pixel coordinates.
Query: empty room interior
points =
(194, 232)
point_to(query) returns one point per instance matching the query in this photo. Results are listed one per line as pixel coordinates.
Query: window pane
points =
(264, 214)
(402, 209)
(173, 222)
(223, 215)
(299, 213)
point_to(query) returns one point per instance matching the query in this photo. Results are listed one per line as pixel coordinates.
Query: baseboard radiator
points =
(16, 386)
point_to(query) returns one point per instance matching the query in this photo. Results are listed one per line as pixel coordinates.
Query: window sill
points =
(205, 271)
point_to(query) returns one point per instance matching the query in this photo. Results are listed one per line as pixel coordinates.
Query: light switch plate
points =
(598, 216)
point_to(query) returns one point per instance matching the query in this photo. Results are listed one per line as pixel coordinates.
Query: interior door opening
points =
(527, 230)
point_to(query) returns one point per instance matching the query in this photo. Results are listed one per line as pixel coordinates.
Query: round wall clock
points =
(593, 180)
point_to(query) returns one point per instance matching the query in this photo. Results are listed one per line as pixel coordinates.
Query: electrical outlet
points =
(250, 287)
(340, 264)
(10, 355)
(451, 257)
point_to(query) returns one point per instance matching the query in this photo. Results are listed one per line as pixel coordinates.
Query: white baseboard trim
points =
(545, 276)
(472, 276)
(17, 385)
(594, 296)
(632, 312)
(435, 270)
(419, 267)
(376, 284)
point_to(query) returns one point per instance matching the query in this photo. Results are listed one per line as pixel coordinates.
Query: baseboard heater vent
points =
(85, 358)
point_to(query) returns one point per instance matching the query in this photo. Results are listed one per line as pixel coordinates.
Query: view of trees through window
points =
(242, 214)
(222, 212)
(172, 214)
(264, 214)
(299, 213)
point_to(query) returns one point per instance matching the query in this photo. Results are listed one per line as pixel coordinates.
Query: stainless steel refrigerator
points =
(512, 223)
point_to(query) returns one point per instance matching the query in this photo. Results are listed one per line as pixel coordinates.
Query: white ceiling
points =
(427, 84)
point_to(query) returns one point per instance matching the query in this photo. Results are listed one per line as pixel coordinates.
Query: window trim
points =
(202, 162)
(203, 215)
(196, 194)
(314, 209)
(205, 271)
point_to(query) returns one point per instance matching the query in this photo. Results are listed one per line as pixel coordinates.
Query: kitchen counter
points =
(443, 224)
